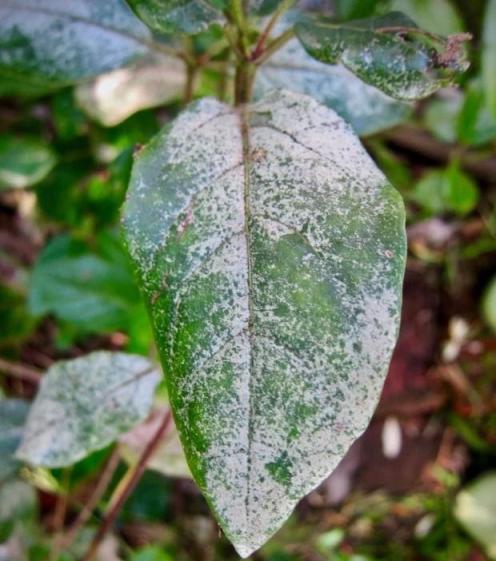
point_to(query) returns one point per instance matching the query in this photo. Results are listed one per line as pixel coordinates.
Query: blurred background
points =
(419, 484)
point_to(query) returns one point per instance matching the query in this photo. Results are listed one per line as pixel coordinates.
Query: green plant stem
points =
(243, 82)
(123, 491)
(189, 86)
(260, 46)
(275, 45)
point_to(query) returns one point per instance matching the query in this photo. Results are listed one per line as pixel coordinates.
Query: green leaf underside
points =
(271, 252)
(366, 108)
(12, 417)
(388, 52)
(49, 43)
(85, 404)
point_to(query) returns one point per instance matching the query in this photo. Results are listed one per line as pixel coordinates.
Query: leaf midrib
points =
(246, 153)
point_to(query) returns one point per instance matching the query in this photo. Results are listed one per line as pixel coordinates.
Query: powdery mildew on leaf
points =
(59, 41)
(12, 417)
(388, 52)
(366, 108)
(188, 16)
(85, 404)
(271, 251)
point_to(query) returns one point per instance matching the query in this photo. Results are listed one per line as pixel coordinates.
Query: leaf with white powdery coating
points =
(366, 108)
(389, 52)
(85, 404)
(271, 251)
(12, 417)
(186, 16)
(51, 43)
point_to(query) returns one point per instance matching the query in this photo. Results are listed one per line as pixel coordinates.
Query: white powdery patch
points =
(275, 287)
(86, 403)
(72, 39)
(366, 108)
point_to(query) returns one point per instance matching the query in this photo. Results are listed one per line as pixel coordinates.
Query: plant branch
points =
(415, 140)
(20, 371)
(275, 45)
(260, 46)
(122, 493)
(95, 497)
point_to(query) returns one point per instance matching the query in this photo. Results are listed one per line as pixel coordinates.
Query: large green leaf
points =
(12, 417)
(271, 252)
(23, 161)
(85, 404)
(366, 108)
(388, 52)
(48, 43)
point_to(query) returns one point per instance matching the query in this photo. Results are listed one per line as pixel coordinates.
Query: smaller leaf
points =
(449, 190)
(13, 414)
(85, 404)
(23, 162)
(91, 289)
(186, 16)
(389, 52)
(169, 458)
(111, 98)
(461, 193)
(17, 501)
(475, 509)
(366, 108)
(489, 305)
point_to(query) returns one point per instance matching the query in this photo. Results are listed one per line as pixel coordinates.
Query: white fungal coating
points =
(366, 108)
(271, 251)
(84, 404)
(67, 40)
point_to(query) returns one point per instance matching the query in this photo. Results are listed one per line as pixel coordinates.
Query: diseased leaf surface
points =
(388, 52)
(271, 251)
(12, 417)
(49, 43)
(191, 16)
(187, 16)
(113, 97)
(366, 108)
(85, 404)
